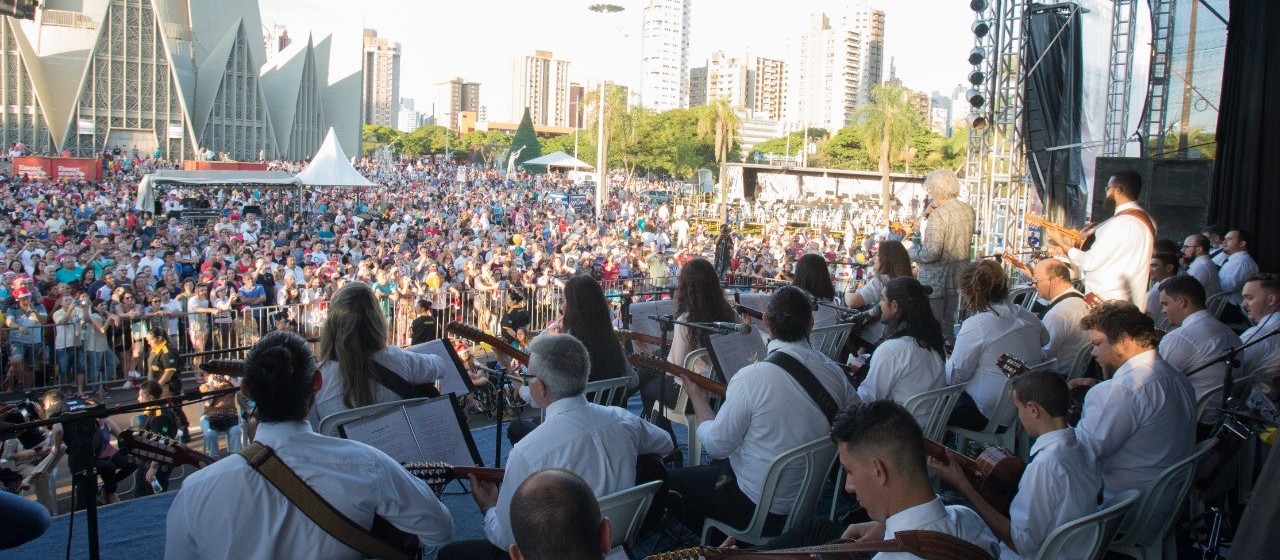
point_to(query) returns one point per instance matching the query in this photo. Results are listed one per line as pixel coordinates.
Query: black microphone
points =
(741, 328)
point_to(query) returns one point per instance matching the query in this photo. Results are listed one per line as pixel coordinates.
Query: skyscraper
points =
(664, 52)
(381, 80)
(752, 84)
(454, 97)
(540, 83)
(767, 86)
(832, 67)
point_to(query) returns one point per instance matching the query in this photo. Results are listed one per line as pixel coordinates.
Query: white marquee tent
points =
(559, 159)
(331, 168)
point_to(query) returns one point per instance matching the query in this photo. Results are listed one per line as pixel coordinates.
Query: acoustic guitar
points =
(648, 361)
(636, 336)
(930, 545)
(150, 446)
(1010, 366)
(470, 332)
(438, 474)
(1022, 267)
(995, 473)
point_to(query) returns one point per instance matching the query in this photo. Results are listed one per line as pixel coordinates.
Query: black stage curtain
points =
(1246, 171)
(1052, 116)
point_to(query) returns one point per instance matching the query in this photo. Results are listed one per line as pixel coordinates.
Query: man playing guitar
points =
(1117, 265)
(209, 517)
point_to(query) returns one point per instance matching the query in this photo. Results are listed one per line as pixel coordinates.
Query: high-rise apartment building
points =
(698, 86)
(751, 83)
(664, 52)
(276, 40)
(381, 80)
(453, 98)
(823, 76)
(768, 88)
(408, 117)
(540, 83)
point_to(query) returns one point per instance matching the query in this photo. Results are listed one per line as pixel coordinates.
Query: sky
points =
(928, 40)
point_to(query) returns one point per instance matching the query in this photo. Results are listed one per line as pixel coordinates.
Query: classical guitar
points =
(1022, 267)
(650, 362)
(470, 332)
(1011, 366)
(635, 336)
(930, 545)
(749, 312)
(437, 474)
(150, 446)
(1092, 300)
(995, 473)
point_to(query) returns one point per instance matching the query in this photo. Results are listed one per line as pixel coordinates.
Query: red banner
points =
(31, 166)
(192, 165)
(43, 168)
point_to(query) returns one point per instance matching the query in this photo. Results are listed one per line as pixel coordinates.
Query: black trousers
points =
(113, 470)
(711, 491)
(967, 415)
(472, 550)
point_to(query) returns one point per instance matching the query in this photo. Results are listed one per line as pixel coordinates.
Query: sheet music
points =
(388, 432)
(449, 383)
(640, 312)
(435, 425)
(735, 351)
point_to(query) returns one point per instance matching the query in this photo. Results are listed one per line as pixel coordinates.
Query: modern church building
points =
(184, 76)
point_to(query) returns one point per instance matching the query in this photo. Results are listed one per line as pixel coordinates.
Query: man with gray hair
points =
(944, 245)
(598, 443)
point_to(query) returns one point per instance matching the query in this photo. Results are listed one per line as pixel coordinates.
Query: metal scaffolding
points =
(1124, 27)
(1153, 128)
(996, 168)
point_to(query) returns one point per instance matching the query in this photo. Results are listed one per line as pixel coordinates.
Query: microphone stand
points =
(1232, 361)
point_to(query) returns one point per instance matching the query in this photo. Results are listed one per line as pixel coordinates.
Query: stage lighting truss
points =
(976, 98)
(977, 55)
(976, 77)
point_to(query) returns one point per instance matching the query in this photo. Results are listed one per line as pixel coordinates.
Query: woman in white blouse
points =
(910, 359)
(892, 262)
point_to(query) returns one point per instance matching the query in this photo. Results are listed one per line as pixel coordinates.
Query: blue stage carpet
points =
(135, 528)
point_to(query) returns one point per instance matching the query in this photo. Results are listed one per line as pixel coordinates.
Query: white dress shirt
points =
(1203, 269)
(1066, 338)
(1200, 339)
(227, 510)
(1060, 485)
(1139, 422)
(957, 521)
(766, 413)
(901, 369)
(598, 443)
(1238, 268)
(1264, 355)
(1117, 265)
(414, 368)
(1153, 304)
(1004, 328)
(870, 293)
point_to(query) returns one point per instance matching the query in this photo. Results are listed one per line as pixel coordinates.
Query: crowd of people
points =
(443, 237)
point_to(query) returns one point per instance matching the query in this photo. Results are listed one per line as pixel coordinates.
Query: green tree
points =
(886, 124)
(484, 145)
(429, 139)
(718, 120)
(586, 148)
(526, 144)
(375, 136)
(791, 144)
(845, 151)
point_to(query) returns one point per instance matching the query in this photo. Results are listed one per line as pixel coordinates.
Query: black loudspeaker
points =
(252, 209)
(1174, 191)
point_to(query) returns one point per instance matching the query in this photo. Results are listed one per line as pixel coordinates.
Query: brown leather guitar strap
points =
(264, 460)
(1142, 217)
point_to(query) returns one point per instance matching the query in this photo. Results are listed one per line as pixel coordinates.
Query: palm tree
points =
(886, 123)
(718, 118)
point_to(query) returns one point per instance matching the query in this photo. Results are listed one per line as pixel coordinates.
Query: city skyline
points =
(482, 49)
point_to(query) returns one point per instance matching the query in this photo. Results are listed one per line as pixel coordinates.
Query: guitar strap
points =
(264, 460)
(807, 381)
(1064, 297)
(397, 384)
(1142, 217)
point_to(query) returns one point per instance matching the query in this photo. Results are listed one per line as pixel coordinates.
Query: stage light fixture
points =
(977, 55)
(976, 77)
(975, 97)
(977, 121)
(978, 5)
(981, 28)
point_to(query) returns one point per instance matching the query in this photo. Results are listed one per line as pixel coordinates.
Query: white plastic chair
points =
(1146, 535)
(1217, 304)
(1092, 532)
(1207, 399)
(942, 401)
(991, 434)
(830, 340)
(329, 424)
(678, 414)
(626, 510)
(817, 457)
(1024, 297)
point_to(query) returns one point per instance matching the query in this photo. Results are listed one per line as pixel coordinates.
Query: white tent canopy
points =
(171, 177)
(331, 168)
(558, 159)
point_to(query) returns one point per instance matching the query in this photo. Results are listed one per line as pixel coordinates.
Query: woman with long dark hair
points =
(910, 359)
(355, 357)
(586, 317)
(892, 262)
(699, 299)
(813, 276)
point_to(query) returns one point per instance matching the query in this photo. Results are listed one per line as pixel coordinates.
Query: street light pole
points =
(601, 157)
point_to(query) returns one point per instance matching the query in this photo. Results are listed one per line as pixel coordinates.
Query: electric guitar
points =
(995, 473)
(649, 362)
(470, 332)
(150, 446)
(438, 474)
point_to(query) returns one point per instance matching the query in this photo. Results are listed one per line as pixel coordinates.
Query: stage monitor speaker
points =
(1174, 191)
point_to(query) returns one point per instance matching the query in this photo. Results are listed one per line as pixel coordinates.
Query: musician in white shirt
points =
(1216, 254)
(1141, 420)
(601, 444)
(228, 510)
(1196, 250)
(1262, 305)
(1240, 264)
(892, 261)
(1116, 267)
(1199, 338)
(910, 360)
(1163, 267)
(1061, 482)
(997, 327)
(765, 413)
(1052, 280)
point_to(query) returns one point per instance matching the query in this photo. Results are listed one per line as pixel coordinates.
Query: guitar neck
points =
(639, 337)
(485, 474)
(470, 332)
(753, 313)
(939, 452)
(650, 362)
